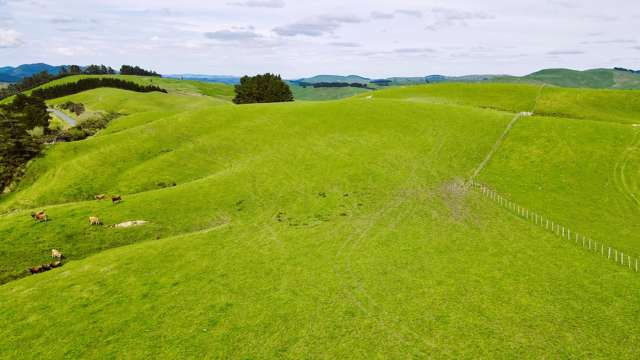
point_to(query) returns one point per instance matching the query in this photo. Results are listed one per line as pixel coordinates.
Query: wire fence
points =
(565, 232)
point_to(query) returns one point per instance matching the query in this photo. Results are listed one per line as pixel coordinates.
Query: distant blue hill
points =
(14, 74)
(225, 79)
(334, 79)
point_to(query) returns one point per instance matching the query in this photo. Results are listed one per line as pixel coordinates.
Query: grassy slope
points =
(505, 97)
(318, 94)
(569, 167)
(595, 78)
(390, 263)
(174, 86)
(579, 173)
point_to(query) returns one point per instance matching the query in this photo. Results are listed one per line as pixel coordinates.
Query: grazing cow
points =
(93, 220)
(56, 254)
(116, 198)
(35, 270)
(39, 216)
(100, 197)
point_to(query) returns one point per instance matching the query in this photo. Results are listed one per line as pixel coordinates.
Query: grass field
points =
(319, 94)
(173, 86)
(329, 229)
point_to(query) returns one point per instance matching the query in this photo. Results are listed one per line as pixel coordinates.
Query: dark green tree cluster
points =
(76, 108)
(95, 70)
(265, 88)
(53, 92)
(382, 82)
(17, 145)
(334, 85)
(627, 70)
(135, 70)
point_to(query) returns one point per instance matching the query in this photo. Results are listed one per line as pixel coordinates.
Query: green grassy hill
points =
(596, 78)
(173, 86)
(324, 93)
(336, 78)
(329, 229)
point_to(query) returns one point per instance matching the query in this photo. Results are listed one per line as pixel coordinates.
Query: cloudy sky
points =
(376, 38)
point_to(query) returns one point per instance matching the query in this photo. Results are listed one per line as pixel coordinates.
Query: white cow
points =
(56, 254)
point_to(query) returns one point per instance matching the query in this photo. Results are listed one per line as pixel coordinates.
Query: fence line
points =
(564, 232)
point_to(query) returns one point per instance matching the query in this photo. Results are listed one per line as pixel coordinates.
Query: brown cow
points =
(116, 198)
(39, 216)
(94, 220)
(100, 197)
(35, 270)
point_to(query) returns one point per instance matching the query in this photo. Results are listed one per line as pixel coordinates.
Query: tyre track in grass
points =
(619, 172)
(355, 288)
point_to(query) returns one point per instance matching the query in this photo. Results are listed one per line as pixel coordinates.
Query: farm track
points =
(62, 116)
(505, 133)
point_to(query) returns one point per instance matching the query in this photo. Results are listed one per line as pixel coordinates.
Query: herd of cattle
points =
(56, 255)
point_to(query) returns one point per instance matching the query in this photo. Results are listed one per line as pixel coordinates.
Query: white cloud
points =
(565, 52)
(274, 4)
(408, 12)
(318, 26)
(345, 44)
(382, 15)
(10, 39)
(232, 35)
(72, 51)
(446, 17)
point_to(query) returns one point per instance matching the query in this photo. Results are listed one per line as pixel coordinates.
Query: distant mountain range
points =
(14, 74)
(225, 79)
(617, 78)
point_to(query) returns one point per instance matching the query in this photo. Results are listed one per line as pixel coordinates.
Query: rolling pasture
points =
(336, 229)
(310, 93)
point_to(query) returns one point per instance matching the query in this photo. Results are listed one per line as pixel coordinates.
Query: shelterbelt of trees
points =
(53, 92)
(44, 77)
(24, 123)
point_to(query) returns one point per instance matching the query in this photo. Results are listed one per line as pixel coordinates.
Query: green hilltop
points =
(596, 78)
(337, 229)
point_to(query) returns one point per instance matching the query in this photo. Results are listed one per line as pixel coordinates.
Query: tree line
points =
(135, 70)
(44, 77)
(333, 85)
(81, 85)
(627, 70)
